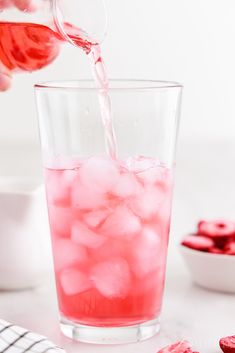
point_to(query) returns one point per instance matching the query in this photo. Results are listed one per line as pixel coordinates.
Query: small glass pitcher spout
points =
(90, 17)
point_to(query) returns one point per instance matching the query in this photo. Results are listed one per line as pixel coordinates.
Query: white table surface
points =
(189, 312)
(205, 187)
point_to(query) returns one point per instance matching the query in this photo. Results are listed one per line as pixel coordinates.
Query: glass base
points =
(109, 335)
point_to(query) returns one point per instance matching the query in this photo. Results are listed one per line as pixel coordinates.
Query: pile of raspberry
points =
(216, 237)
(227, 345)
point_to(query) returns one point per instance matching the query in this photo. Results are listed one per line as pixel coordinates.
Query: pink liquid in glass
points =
(110, 223)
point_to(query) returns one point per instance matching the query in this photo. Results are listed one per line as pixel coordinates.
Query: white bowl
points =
(212, 271)
(25, 251)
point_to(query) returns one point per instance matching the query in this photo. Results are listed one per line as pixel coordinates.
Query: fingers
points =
(24, 5)
(4, 4)
(5, 82)
(5, 78)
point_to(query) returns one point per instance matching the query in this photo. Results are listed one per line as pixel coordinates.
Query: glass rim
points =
(115, 85)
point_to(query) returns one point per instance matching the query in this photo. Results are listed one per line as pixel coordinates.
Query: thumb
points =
(25, 5)
(5, 78)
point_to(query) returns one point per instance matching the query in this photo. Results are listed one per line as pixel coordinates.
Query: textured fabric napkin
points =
(15, 339)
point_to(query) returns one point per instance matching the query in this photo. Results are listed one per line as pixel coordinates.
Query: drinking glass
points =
(109, 216)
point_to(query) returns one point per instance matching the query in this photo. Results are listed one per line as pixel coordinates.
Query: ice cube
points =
(156, 174)
(86, 198)
(69, 176)
(60, 220)
(140, 163)
(58, 184)
(146, 253)
(121, 223)
(165, 212)
(110, 249)
(150, 238)
(99, 174)
(152, 282)
(147, 203)
(126, 186)
(82, 235)
(112, 278)
(74, 281)
(67, 253)
(94, 218)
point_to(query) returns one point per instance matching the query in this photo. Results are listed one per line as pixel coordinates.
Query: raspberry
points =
(230, 248)
(216, 250)
(198, 242)
(227, 344)
(178, 347)
(216, 229)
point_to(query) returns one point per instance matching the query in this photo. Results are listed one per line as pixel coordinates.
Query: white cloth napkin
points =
(15, 339)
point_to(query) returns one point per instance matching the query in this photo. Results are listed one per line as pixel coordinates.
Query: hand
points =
(5, 78)
(23, 5)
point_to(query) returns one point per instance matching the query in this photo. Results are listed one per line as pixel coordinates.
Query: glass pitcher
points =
(32, 31)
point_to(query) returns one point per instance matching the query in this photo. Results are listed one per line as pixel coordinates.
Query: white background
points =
(185, 40)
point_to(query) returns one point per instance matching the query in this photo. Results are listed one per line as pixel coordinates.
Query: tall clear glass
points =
(109, 217)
